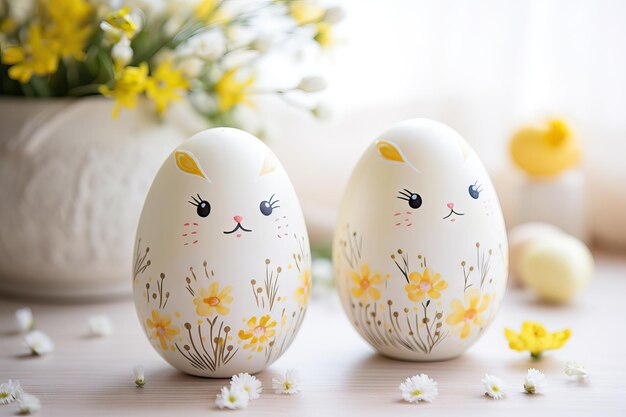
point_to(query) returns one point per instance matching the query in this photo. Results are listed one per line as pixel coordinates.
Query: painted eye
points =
(203, 208)
(414, 199)
(268, 206)
(474, 191)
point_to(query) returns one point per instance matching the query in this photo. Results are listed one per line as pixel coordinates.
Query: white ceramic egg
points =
(420, 248)
(222, 263)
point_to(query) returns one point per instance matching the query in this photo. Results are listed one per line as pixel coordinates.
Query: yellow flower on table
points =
(161, 329)
(129, 83)
(213, 300)
(304, 290)
(38, 57)
(258, 335)
(165, 85)
(468, 314)
(536, 339)
(231, 91)
(424, 284)
(365, 284)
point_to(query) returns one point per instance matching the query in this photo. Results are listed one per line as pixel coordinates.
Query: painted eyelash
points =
(196, 201)
(478, 186)
(271, 203)
(405, 194)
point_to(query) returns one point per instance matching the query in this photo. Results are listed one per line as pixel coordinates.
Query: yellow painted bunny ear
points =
(391, 152)
(186, 162)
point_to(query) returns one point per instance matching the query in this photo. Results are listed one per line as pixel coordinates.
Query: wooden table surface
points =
(341, 374)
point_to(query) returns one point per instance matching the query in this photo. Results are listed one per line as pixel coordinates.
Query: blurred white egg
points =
(520, 237)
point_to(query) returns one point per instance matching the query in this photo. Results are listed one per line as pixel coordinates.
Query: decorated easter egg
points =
(222, 262)
(420, 249)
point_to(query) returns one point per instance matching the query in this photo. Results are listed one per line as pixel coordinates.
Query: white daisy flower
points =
(140, 380)
(232, 397)
(249, 383)
(419, 388)
(494, 386)
(9, 391)
(38, 342)
(576, 370)
(100, 325)
(28, 403)
(25, 320)
(535, 381)
(287, 383)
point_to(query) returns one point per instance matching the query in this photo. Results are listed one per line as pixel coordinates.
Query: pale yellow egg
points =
(520, 238)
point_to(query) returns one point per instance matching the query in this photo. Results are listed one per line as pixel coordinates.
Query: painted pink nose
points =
(450, 205)
(238, 219)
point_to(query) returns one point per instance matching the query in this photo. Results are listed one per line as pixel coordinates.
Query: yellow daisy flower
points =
(165, 85)
(129, 82)
(304, 291)
(231, 91)
(468, 316)
(365, 285)
(212, 299)
(422, 284)
(536, 339)
(162, 331)
(258, 335)
(38, 57)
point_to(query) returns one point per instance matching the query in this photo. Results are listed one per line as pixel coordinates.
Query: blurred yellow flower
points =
(469, 316)
(121, 21)
(365, 285)
(324, 35)
(212, 299)
(129, 82)
(209, 12)
(426, 283)
(535, 338)
(305, 12)
(68, 11)
(166, 85)
(7, 25)
(70, 26)
(231, 91)
(39, 57)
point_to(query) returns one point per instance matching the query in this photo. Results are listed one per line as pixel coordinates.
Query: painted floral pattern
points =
(468, 314)
(304, 290)
(161, 329)
(258, 333)
(365, 284)
(213, 300)
(425, 284)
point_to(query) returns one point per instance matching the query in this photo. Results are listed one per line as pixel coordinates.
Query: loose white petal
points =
(28, 403)
(232, 398)
(249, 383)
(38, 342)
(576, 371)
(535, 381)
(100, 325)
(25, 320)
(287, 383)
(312, 84)
(140, 380)
(9, 391)
(419, 388)
(335, 15)
(494, 387)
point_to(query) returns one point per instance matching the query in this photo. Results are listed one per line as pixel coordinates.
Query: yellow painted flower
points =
(160, 329)
(258, 335)
(365, 285)
(166, 85)
(231, 91)
(129, 82)
(426, 283)
(467, 314)
(324, 34)
(304, 291)
(212, 299)
(304, 12)
(536, 339)
(38, 57)
(121, 22)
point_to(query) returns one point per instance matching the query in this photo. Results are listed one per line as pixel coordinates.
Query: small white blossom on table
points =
(494, 386)
(100, 325)
(535, 381)
(138, 373)
(28, 403)
(287, 383)
(249, 383)
(233, 397)
(419, 388)
(24, 319)
(38, 342)
(9, 391)
(577, 371)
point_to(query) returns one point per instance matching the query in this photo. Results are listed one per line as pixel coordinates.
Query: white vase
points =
(72, 184)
